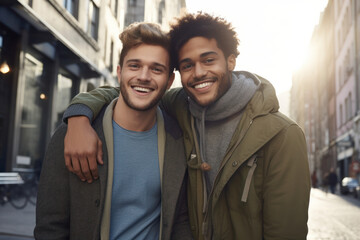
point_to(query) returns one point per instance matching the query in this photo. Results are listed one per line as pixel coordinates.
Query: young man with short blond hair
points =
(140, 193)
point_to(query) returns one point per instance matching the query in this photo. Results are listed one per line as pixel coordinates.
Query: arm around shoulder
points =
(97, 98)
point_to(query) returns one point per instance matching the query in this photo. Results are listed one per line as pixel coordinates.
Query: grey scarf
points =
(215, 123)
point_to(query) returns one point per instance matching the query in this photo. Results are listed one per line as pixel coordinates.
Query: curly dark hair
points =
(202, 25)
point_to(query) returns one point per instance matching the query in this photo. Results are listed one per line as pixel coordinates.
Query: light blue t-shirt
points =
(136, 190)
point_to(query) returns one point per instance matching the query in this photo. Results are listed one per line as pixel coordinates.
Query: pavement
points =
(17, 224)
(331, 217)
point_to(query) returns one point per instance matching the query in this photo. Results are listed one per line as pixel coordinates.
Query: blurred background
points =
(50, 50)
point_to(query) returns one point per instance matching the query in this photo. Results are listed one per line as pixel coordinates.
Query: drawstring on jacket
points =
(204, 165)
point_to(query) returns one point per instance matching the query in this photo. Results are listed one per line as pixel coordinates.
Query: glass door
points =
(62, 96)
(33, 115)
(8, 53)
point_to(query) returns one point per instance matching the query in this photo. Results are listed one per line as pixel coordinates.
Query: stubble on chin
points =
(125, 96)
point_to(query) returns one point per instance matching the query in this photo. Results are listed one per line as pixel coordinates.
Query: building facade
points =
(345, 82)
(330, 94)
(49, 51)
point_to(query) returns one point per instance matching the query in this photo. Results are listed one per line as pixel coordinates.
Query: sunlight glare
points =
(274, 35)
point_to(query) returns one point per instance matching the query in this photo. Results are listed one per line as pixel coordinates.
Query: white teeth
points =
(142, 89)
(202, 85)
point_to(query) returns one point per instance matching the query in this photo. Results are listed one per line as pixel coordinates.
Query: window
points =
(339, 78)
(62, 97)
(341, 115)
(338, 40)
(105, 45)
(111, 67)
(350, 106)
(93, 20)
(132, 3)
(161, 11)
(113, 4)
(115, 9)
(33, 113)
(72, 7)
(346, 109)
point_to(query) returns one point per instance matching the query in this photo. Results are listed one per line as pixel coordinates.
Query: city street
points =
(331, 217)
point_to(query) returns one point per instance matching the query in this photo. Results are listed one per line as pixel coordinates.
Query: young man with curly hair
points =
(248, 174)
(133, 198)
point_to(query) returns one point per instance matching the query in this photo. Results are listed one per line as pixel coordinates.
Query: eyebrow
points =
(205, 54)
(153, 63)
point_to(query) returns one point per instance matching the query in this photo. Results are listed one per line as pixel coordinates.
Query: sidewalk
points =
(321, 193)
(17, 224)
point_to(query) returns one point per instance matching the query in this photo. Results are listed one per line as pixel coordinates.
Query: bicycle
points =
(11, 190)
(31, 180)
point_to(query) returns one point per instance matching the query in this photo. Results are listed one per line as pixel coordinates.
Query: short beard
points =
(223, 88)
(147, 107)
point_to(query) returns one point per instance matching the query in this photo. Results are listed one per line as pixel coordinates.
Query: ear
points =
(171, 80)
(231, 62)
(118, 71)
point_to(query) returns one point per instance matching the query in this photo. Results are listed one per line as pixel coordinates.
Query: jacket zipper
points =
(204, 224)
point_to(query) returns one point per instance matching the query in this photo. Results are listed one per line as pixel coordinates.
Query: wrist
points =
(76, 120)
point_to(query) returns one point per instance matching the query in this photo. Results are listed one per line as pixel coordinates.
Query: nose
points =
(145, 74)
(199, 70)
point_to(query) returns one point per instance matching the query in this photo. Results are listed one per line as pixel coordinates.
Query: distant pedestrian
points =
(325, 182)
(333, 179)
(314, 179)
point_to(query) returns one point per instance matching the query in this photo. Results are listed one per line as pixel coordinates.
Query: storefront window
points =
(8, 53)
(32, 126)
(62, 98)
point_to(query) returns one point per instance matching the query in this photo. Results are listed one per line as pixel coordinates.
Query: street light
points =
(4, 68)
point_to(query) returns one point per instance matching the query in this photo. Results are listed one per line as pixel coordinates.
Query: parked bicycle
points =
(11, 190)
(20, 187)
(31, 180)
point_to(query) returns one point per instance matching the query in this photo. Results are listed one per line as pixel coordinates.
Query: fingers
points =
(77, 168)
(85, 169)
(68, 163)
(81, 167)
(99, 152)
(93, 167)
(82, 148)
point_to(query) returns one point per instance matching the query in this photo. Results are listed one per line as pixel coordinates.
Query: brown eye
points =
(186, 67)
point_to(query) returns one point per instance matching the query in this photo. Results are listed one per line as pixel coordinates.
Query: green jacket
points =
(262, 188)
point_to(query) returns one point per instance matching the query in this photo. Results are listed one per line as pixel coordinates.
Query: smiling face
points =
(205, 73)
(144, 76)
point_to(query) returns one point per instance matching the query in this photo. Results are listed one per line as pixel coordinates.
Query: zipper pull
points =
(252, 164)
(252, 161)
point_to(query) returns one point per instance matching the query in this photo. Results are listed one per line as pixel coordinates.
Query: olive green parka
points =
(262, 188)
